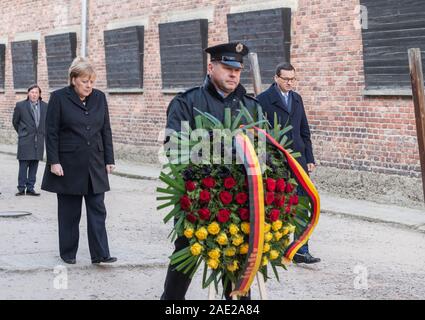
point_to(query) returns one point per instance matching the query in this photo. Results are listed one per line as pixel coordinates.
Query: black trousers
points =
(69, 215)
(27, 175)
(177, 283)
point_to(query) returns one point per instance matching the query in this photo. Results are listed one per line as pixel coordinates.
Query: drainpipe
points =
(84, 8)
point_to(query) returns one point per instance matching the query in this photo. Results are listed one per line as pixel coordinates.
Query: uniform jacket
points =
(30, 137)
(80, 139)
(271, 102)
(206, 99)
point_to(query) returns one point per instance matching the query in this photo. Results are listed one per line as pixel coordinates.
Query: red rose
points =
(280, 185)
(190, 185)
(229, 182)
(270, 184)
(244, 214)
(223, 215)
(269, 198)
(241, 197)
(225, 197)
(208, 182)
(185, 203)
(288, 209)
(279, 201)
(204, 196)
(204, 213)
(191, 217)
(274, 215)
(294, 199)
(289, 188)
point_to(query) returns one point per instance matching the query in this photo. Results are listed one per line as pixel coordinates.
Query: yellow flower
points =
(277, 225)
(285, 231)
(196, 249)
(222, 239)
(286, 242)
(278, 235)
(267, 227)
(237, 240)
(245, 227)
(265, 261)
(188, 233)
(266, 248)
(213, 263)
(230, 252)
(274, 254)
(291, 228)
(214, 228)
(214, 254)
(234, 266)
(268, 237)
(233, 229)
(201, 234)
(243, 249)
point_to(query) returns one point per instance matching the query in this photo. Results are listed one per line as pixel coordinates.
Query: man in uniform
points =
(289, 108)
(221, 89)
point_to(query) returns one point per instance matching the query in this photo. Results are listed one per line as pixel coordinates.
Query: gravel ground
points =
(390, 259)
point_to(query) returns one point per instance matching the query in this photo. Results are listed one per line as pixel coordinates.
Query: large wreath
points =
(240, 216)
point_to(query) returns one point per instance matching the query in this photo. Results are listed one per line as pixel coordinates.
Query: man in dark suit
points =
(79, 157)
(29, 119)
(289, 108)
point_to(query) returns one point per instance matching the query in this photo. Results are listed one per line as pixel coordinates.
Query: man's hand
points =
(56, 169)
(110, 168)
(311, 167)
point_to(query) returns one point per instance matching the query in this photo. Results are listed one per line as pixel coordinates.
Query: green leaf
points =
(236, 122)
(200, 260)
(185, 263)
(283, 141)
(169, 191)
(198, 122)
(172, 213)
(178, 260)
(181, 252)
(167, 198)
(166, 179)
(227, 118)
(165, 205)
(275, 272)
(210, 279)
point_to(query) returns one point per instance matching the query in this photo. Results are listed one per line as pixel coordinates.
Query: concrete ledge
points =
(186, 15)
(254, 5)
(129, 22)
(388, 92)
(124, 91)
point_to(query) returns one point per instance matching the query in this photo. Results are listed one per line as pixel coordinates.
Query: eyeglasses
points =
(287, 79)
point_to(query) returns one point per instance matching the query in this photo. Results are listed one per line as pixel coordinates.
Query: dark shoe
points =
(20, 193)
(104, 260)
(33, 193)
(69, 261)
(305, 258)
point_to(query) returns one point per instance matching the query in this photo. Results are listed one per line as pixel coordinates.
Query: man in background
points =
(280, 99)
(29, 119)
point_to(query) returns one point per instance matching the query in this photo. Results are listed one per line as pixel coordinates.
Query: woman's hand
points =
(110, 168)
(56, 169)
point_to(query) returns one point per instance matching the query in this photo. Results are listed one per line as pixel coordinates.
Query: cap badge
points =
(239, 47)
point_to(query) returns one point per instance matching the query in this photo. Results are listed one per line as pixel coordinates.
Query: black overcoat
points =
(272, 103)
(80, 139)
(30, 137)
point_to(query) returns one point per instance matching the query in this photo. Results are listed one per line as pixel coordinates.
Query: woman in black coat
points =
(79, 157)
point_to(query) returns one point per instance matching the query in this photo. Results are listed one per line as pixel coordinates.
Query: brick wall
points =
(349, 130)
